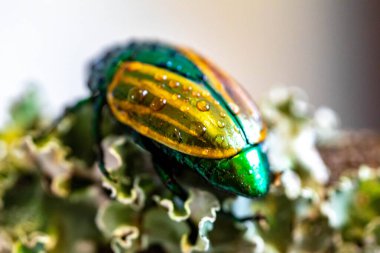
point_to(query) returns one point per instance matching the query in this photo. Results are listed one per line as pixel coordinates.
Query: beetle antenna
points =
(67, 111)
(97, 122)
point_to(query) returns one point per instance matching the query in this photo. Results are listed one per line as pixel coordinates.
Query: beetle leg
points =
(171, 183)
(256, 218)
(98, 116)
(193, 235)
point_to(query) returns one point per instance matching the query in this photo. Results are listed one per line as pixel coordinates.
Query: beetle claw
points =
(276, 178)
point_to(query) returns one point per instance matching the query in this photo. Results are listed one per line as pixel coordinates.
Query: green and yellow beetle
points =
(185, 111)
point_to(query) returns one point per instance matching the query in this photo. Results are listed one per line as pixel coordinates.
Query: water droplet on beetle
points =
(174, 84)
(176, 96)
(198, 128)
(222, 114)
(196, 94)
(187, 88)
(136, 95)
(203, 106)
(205, 93)
(160, 77)
(177, 135)
(184, 108)
(219, 139)
(144, 129)
(234, 108)
(221, 124)
(157, 104)
(205, 151)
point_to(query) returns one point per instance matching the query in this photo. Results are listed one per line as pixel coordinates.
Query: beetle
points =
(186, 112)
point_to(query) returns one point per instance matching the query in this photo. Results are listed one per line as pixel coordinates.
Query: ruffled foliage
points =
(54, 199)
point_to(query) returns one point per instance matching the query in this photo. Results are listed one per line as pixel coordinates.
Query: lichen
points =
(53, 197)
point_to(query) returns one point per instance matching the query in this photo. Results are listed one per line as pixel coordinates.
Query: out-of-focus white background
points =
(329, 48)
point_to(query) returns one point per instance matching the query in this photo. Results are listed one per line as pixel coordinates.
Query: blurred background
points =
(331, 49)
